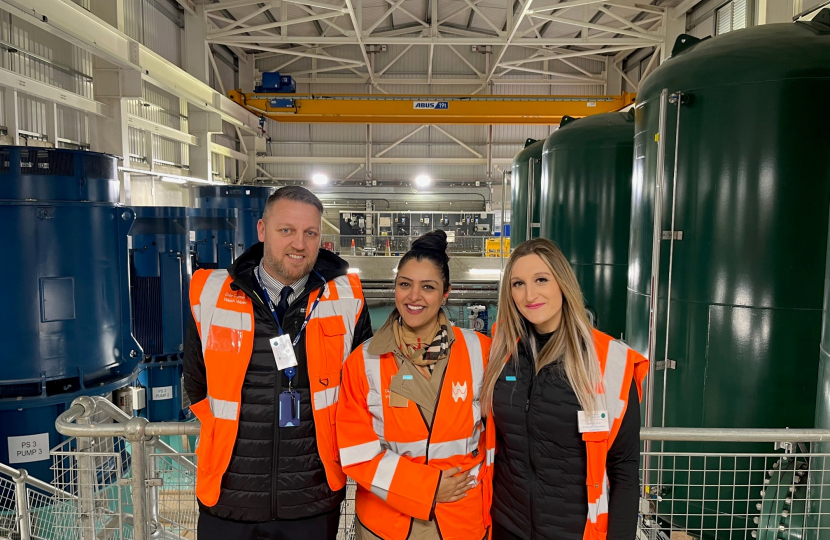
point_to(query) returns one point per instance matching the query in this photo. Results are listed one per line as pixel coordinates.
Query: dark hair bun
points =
(434, 240)
(431, 247)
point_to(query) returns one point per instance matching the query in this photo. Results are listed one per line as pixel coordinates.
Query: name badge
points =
(289, 409)
(589, 423)
(283, 352)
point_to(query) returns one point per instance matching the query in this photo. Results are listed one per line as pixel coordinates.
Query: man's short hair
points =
(293, 193)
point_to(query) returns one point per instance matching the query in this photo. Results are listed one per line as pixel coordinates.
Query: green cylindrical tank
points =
(818, 518)
(524, 191)
(744, 232)
(585, 205)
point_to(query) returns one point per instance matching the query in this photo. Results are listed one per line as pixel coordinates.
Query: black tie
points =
(282, 306)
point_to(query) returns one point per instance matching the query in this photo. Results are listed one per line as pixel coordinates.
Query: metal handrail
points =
(22, 482)
(20, 475)
(143, 437)
(129, 428)
(124, 426)
(734, 435)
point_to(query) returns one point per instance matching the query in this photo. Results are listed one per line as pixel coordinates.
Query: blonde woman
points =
(409, 417)
(563, 399)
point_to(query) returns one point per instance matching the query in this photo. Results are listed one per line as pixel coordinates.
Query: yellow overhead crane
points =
(420, 109)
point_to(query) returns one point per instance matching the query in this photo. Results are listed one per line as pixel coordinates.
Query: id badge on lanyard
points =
(283, 349)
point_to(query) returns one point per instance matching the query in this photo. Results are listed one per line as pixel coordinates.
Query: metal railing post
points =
(86, 474)
(153, 487)
(22, 499)
(135, 433)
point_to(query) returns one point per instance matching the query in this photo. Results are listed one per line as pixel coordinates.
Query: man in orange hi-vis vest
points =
(262, 364)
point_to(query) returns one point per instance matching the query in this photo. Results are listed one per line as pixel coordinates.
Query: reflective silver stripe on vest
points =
(474, 472)
(445, 450)
(491, 456)
(374, 399)
(477, 368)
(223, 410)
(612, 379)
(347, 307)
(207, 301)
(333, 308)
(326, 398)
(359, 453)
(601, 506)
(344, 287)
(476, 359)
(197, 312)
(329, 310)
(467, 445)
(411, 449)
(384, 474)
(234, 320)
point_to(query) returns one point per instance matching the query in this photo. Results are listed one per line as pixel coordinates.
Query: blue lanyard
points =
(290, 372)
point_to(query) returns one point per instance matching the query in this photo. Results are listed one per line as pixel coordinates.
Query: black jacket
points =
(274, 473)
(539, 490)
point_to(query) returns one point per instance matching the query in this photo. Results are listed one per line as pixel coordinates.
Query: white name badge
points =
(596, 421)
(283, 352)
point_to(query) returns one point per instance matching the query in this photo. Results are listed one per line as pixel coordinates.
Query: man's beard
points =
(277, 268)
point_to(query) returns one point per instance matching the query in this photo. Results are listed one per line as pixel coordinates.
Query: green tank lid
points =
(763, 53)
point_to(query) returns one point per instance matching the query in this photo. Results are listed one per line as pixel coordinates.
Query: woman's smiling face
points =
(419, 294)
(536, 293)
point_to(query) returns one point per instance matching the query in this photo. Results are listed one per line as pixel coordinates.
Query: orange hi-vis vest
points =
(397, 460)
(619, 365)
(225, 319)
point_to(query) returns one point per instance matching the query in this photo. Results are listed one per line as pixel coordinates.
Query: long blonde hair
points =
(573, 342)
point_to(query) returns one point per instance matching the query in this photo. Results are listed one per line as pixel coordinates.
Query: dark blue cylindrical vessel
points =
(213, 237)
(66, 330)
(249, 200)
(160, 265)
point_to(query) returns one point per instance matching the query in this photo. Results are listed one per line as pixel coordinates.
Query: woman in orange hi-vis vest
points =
(562, 400)
(409, 422)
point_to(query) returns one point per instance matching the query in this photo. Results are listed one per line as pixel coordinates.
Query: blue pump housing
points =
(213, 237)
(67, 325)
(249, 200)
(161, 269)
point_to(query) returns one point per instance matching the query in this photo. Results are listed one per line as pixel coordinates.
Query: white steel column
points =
(10, 113)
(202, 125)
(674, 25)
(613, 81)
(253, 144)
(195, 45)
(52, 123)
(110, 134)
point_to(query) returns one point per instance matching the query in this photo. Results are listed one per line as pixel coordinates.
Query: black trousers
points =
(500, 533)
(322, 527)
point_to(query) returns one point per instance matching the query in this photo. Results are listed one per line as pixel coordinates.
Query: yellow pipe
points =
(412, 109)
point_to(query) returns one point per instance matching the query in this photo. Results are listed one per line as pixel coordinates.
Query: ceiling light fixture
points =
(320, 179)
(423, 180)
